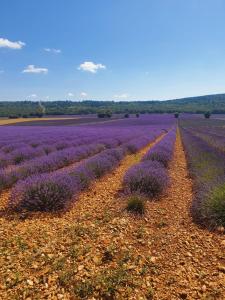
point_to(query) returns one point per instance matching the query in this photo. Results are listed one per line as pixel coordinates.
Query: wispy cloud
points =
(5, 43)
(32, 96)
(83, 95)
(2, 71)
(35, 70)
(121, 96)
(91, 67)
(70, 94)
(53, 50)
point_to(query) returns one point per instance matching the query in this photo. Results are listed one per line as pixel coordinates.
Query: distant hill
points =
(201, 104)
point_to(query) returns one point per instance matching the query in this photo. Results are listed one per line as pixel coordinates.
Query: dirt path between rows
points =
(99, 251)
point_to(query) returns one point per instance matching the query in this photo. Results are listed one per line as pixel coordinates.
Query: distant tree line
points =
(214, 104)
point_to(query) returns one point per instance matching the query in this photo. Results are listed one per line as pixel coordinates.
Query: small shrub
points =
(118, 153)
(161, 156)
(42, 193)
(137, 115)
(101, 115)
(105, 114)
(126, 116)
(207, 114)
(13, 117)
(98, 166)
(214, 206)
(176, 115)
(131, 148)
(82, 176)
(84, 289)
(136, 204)
(48, 149)
(148, 178)
(150, 293)
(4, 180)
(108, 114)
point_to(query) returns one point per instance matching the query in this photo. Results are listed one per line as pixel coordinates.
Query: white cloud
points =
(121, 96)
(70, 94)
(5, 43)
(35, 70)
(53, 50)
(32, 96)
(89, 66)
(83, 94)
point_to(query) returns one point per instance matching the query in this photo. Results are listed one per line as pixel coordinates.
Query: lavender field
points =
(46, 167)
(113, 210)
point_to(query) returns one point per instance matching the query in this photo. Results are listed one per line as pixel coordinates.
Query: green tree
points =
(207, 114)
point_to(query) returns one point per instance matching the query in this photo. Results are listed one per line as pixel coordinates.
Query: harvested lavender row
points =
(54, 191)
(150, 176)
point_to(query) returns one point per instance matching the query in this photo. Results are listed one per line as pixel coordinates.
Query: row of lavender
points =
(211, 137)
(15, 154)
(18, 151)
(54, 191)
(150, 176)
(206, 162)
(62, 158)
(20, 144)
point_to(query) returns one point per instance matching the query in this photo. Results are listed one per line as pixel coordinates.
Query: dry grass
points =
(19, 120)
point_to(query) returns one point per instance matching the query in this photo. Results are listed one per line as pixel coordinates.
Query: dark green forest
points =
(201, 104)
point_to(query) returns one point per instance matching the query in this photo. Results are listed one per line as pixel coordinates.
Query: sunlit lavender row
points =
(55, 190)
(150, 177)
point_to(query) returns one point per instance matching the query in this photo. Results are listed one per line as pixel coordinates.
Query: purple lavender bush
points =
(163, 150)
(100, 165)
(133, 146)
(43, 193)
(160, 156)
(82, 176)
(148, 178)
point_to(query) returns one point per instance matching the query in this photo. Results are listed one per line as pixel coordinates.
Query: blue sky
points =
(111, 49)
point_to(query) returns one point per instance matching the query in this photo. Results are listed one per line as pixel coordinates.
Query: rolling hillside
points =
(213, 103)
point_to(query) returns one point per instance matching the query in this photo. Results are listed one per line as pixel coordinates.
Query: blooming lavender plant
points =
(98, 149)
(148, 178)
(163, 150)
(43, 193)
(36, 192)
